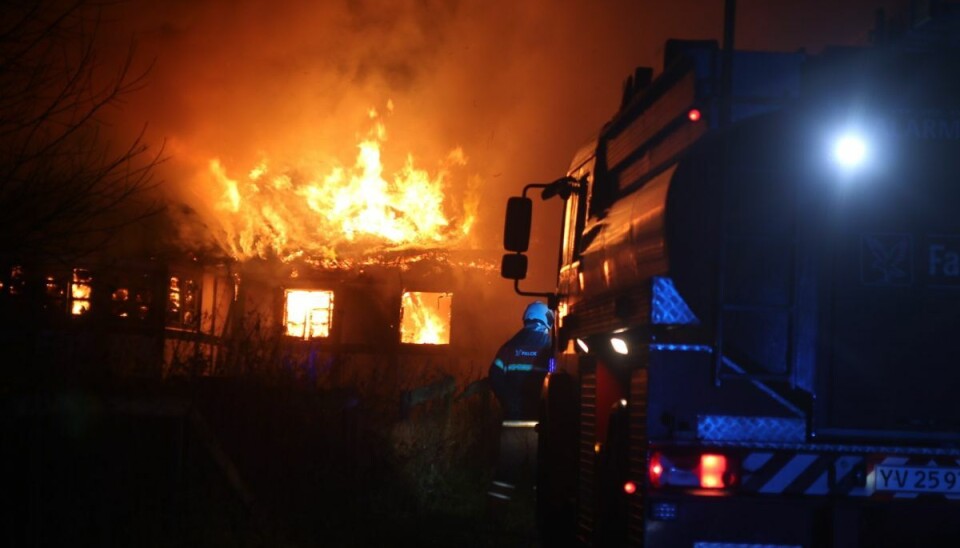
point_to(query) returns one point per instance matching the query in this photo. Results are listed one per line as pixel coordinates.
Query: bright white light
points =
(619, 345)
(583, 346)
(850, 150)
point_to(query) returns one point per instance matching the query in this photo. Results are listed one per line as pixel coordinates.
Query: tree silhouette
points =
(65, 187)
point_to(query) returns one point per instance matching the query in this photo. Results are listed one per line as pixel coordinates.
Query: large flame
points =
(325, 213)
(426, 318)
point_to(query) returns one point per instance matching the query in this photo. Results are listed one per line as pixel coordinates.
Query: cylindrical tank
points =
(674, 224)
(735, 201)
(846, 282)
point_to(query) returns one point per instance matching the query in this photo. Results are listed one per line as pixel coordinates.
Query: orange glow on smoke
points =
(425, 318)
(307, 314)
(319, 212)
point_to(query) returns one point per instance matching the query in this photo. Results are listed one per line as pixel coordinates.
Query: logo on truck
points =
(943, 261)
(885, 259)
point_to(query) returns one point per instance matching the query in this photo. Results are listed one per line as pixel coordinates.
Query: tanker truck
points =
(758, 303)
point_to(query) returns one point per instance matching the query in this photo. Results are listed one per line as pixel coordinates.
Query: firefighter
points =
(516, 376)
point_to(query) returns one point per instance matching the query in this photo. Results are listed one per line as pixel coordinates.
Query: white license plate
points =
(916, 479)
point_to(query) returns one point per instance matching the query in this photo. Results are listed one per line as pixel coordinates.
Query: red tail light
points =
(629, 488)
(713, 470)
(694, 115)
(656, 470)
(692, 470)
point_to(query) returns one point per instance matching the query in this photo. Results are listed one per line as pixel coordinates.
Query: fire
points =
(308, 314)
(81, 288)
(425, 318)
(325, 213)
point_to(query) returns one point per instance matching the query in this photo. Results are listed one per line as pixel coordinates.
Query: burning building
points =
(407, 322)
(339, 277)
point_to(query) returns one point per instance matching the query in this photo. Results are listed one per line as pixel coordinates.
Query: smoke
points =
(518, 85)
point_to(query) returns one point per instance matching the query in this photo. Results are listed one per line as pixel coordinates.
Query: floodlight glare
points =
(850, 151)
(583, 346)
(619, 345)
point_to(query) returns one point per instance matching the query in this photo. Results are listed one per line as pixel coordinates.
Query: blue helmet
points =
(537, 311)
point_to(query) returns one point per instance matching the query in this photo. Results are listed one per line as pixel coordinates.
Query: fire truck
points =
(758, 305)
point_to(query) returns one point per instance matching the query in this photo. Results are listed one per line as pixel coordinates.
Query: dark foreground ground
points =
(229, 463)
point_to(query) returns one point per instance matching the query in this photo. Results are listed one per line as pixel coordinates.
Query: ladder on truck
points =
(769, 377)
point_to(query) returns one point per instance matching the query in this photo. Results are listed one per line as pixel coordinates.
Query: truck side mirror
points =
(514, 266)
(516, 229)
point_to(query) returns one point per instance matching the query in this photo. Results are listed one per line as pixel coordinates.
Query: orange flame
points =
(325, 213)
(308, 314)
(426, 318)
(80, 290)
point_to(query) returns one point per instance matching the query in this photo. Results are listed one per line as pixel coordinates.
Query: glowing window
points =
(53, 289)
(132, 297)
(183, 303)
(308, 314)
(17, 282)
(120, 298)
(425, 317)
(81, 287)
(55, 294)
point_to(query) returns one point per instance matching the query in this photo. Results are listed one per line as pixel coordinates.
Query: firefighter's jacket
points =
(517, 372)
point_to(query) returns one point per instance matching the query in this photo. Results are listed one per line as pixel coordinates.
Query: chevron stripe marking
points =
(819, 486)
(818, 469)
(788, 473)
(754, 461)
(769, 466)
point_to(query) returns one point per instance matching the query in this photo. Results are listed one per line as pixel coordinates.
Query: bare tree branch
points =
(64, 188)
